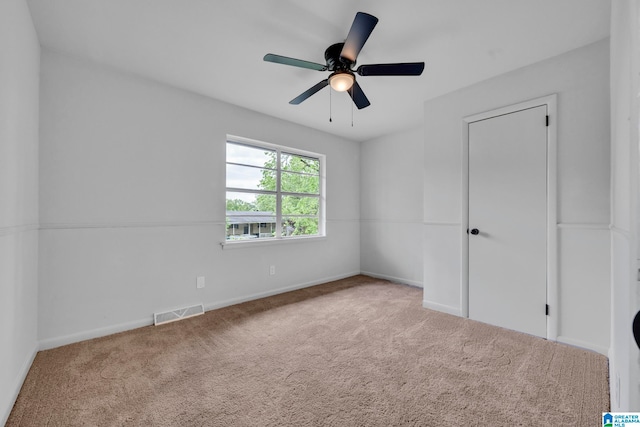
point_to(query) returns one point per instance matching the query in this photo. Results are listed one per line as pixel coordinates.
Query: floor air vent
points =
(178, 314)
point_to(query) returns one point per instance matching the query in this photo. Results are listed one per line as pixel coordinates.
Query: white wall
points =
(624, 358)
(580, 78)
(391, 207)
(132, 203)
(19, 63)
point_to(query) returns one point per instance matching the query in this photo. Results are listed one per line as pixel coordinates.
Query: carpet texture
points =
(355, 352)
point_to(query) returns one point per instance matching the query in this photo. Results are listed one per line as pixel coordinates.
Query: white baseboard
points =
(239, 300)
(443, 308)
(584, 345)
(17, 385)
(94, 333)
(393, 279)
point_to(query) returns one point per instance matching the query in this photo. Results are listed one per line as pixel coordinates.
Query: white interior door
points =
(508, 209)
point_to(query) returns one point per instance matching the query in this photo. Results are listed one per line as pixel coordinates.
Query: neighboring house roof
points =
(245, 217)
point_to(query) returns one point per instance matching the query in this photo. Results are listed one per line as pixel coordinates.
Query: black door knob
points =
(475, 231)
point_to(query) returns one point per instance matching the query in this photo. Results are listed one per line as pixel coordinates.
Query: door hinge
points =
(546, 309)
(547, 121)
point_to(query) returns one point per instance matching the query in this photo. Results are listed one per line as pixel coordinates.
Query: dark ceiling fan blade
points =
(401, 69)
(306, 94)
(360, 31)
(358, 96)
(279, 59)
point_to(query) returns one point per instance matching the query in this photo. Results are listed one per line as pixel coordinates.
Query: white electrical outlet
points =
(200, 282)
(272, 270)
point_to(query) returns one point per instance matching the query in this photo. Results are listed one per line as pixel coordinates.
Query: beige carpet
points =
(356, 352)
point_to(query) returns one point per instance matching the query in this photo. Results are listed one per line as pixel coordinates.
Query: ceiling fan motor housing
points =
(334, 61)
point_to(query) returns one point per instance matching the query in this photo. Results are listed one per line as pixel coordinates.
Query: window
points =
(272, 192)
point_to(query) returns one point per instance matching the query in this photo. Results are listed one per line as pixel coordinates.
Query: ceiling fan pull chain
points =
(330, 106)
(352, 107)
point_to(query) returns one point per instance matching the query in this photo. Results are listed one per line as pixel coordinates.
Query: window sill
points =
(238, 244)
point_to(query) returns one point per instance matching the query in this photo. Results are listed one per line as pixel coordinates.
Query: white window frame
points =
(278, 193)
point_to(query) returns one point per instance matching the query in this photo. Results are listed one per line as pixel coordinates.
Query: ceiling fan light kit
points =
(341, 81)
(340, 60)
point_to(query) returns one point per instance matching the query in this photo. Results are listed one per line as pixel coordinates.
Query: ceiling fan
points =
(341, 58)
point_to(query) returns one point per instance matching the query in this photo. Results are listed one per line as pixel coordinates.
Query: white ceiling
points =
(215, 47)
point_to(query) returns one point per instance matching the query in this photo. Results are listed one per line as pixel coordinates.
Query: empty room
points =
(290, 213)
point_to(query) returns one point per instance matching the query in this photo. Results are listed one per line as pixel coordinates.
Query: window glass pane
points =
(251, 231)
(295, 205)
(300, 183)
(254, 156)
(257, 204)
(294, 162)
(251, 178)
(250, 216)
(299, 226)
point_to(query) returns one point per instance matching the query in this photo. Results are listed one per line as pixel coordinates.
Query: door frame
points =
(550, 101)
